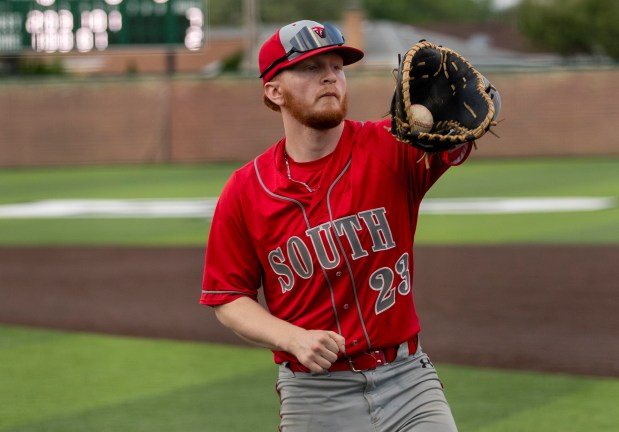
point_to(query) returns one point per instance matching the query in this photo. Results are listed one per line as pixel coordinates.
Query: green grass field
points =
(56, 381)
(587, 177)
(73, 382)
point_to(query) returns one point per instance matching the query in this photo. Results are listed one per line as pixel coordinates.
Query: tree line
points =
(566, 27)
(571, 27)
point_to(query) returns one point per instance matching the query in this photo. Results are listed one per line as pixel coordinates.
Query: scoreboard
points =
(85, 25)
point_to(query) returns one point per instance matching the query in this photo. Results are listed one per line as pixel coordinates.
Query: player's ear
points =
(273, 92)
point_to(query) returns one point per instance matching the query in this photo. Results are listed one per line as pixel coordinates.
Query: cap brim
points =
(350, 55)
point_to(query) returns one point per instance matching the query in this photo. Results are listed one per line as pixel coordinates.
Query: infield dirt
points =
(542, 308)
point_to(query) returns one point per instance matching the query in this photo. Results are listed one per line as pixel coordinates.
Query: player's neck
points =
(305, 144)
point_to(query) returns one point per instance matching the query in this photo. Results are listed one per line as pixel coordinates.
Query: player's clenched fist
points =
(317, 350)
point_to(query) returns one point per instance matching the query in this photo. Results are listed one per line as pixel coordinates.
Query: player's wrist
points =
(289, 339)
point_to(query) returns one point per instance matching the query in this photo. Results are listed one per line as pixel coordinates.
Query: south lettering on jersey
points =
(296, 259)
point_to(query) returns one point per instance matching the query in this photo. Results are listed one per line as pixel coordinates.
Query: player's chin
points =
(325, 119)
(328, 103)
(330, 106)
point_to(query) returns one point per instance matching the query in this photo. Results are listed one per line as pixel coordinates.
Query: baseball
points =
(422, 118)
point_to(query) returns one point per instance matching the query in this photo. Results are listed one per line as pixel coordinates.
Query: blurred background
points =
(143, 81)
(120, 122)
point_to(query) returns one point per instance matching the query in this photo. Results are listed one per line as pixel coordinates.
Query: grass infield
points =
(62, 382)
(567, 177)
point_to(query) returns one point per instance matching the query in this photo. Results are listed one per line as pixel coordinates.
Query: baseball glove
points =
(463, 103)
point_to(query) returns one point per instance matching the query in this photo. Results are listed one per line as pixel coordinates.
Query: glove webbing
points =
(451, 131)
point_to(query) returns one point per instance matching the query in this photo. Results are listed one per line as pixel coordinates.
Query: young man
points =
(324, 223)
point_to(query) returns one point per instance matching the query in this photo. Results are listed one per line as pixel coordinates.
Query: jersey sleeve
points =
(458, 155)
(231, 267)
(418, 169)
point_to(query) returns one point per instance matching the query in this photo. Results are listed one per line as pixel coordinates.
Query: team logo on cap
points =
(320, 31)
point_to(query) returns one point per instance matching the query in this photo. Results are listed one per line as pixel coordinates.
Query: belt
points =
(368, 360)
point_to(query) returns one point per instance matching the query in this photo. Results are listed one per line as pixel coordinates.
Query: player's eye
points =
(311, 67)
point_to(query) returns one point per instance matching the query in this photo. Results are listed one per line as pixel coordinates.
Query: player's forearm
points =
(315, 349)
(252, 322)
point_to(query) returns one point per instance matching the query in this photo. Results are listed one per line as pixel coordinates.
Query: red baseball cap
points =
(300, 40)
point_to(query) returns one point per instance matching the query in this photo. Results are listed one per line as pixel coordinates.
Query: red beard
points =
(320, 120)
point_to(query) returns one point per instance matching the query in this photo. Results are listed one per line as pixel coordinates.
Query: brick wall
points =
(194, 120)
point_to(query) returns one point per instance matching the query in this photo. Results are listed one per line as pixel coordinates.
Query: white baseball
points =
(422, 118)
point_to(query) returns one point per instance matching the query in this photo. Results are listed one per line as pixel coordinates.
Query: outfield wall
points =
(184, 120)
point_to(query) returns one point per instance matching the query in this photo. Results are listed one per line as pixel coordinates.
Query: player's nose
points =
(329, 78)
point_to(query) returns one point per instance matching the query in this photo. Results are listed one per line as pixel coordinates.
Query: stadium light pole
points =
(251, 16)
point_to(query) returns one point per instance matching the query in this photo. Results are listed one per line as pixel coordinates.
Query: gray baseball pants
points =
(403, 396)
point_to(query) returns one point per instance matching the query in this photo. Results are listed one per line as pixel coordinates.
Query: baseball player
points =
(324, 223)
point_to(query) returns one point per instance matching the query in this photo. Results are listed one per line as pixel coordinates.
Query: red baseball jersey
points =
(336, 258)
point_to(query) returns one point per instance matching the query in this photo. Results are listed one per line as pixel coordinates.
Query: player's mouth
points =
(329, 94)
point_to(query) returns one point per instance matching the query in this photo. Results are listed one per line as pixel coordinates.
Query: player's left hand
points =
(463, 105)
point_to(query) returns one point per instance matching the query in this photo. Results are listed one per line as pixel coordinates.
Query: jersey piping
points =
(307, 224)
(345, 257)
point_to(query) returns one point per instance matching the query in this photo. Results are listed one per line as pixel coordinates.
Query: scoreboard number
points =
(85, 25)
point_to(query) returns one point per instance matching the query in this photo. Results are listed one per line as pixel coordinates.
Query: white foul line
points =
(514, 205)
(204, 208)
(119, 208)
